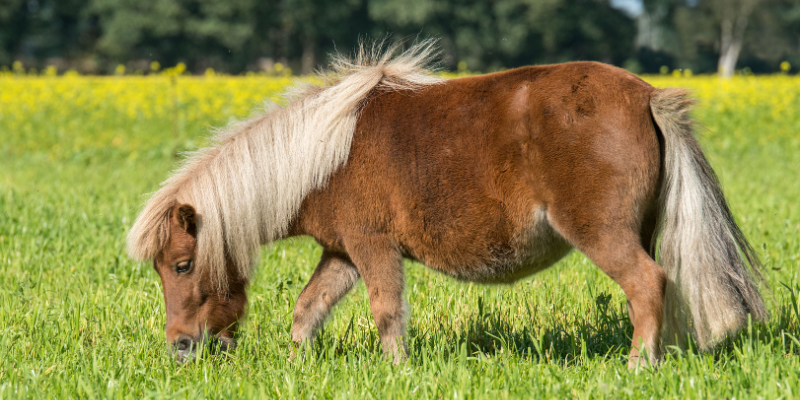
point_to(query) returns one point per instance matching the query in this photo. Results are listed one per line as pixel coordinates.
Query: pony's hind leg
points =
(381, 266)
(334, 277)
(618, 251)
(644, 283)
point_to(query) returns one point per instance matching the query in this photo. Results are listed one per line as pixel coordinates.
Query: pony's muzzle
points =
(185, 348)
(184, 343)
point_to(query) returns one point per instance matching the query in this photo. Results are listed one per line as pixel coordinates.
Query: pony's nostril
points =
(184, 343)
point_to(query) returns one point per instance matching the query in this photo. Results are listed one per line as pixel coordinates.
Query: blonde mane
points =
(248, 187)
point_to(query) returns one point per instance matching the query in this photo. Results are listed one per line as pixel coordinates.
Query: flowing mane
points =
(247, 187)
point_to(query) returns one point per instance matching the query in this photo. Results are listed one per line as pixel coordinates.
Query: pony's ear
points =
(186, 218)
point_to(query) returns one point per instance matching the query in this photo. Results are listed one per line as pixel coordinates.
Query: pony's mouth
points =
(186, 349)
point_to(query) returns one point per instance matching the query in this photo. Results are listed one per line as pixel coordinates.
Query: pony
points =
(485, 178)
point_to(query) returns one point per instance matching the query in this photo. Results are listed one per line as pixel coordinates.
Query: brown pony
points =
(487, 179)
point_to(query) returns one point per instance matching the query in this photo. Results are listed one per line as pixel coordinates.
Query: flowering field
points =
(64, 115)
(79, 319)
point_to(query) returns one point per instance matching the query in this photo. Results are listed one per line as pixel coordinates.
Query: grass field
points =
(79, 319)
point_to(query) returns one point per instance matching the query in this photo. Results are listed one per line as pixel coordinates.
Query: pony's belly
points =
(539, 262)
(532, 250)
(511, 269)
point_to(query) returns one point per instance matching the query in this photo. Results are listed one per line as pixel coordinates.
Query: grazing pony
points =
(487, 179)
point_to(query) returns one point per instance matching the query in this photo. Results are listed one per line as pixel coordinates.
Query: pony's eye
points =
(183, 266)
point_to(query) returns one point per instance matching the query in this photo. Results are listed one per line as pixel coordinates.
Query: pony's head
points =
(199, 311)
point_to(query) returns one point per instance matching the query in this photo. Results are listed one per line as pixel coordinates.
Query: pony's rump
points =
(247, 187)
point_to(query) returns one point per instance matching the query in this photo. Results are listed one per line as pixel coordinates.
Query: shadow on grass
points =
(606, 332)
(603, 332)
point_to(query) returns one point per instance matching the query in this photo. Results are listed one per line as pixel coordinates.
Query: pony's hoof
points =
(297, 351)
(642, 362)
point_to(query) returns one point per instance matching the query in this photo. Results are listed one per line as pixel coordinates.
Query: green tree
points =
(13, 20)
(200, 32)
(40, 31)
(314, 26)
(506, 33)
(717, 35)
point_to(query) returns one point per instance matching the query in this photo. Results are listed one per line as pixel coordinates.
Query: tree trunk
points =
(308, 62)
(733, 23)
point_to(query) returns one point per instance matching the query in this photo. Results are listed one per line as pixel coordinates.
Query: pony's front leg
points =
(334, 277)
(381, 266)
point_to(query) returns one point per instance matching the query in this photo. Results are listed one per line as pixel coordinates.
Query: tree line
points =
(234, 36)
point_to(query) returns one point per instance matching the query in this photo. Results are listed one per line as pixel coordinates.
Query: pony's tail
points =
(711, 268)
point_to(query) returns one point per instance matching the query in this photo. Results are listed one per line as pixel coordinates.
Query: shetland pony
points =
(487, 179)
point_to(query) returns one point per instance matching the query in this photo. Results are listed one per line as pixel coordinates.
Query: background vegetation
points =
(234, 36)
(79, 319)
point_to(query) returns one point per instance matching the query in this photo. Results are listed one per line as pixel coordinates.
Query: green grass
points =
(79, 319)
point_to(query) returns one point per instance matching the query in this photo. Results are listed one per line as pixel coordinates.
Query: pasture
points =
(79, 319)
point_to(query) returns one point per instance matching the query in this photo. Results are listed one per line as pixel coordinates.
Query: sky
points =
(632, 7)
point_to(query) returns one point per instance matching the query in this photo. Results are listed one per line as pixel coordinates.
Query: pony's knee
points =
(305, 323)
(310, 312)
